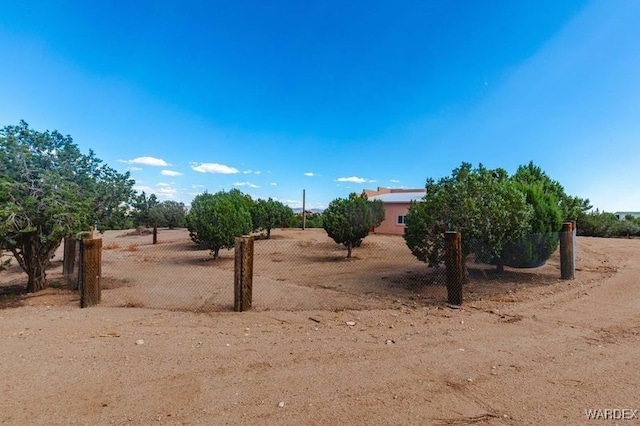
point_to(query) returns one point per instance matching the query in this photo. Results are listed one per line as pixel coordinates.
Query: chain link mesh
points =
(531, 261)
(293, 270)
(305, 270)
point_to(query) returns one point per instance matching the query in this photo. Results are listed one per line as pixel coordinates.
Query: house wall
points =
(391, 213)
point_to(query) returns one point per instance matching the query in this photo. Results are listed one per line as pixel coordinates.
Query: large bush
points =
(348, 220)
(214, 220)
(480, 203)
(269, 214)
(534, 249)
(504, 221)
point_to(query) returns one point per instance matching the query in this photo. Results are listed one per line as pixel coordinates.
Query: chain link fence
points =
(305, 270)
(293, 270)
(530, 261)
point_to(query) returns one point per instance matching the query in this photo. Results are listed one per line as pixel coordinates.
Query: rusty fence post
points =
(90, 271)
(574, 235)
(243, 273)
(567, 259)
(454, 267)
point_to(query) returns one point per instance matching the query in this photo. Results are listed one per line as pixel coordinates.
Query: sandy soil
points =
(329, 341)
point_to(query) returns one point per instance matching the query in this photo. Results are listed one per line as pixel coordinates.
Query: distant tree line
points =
(603, 224)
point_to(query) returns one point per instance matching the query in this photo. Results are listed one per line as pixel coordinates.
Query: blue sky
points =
(332, 96)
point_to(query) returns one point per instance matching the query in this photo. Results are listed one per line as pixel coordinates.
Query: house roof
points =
(399, 197)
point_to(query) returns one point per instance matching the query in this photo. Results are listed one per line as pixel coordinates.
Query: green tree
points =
(312, 220)
(570, 207)
(214, 220)
(480, 203)
(269, 214)
(48, 191)
(377, 212)
(142, 205)
(348, 220)
(170, 214)
(110, 193)
(535, 248)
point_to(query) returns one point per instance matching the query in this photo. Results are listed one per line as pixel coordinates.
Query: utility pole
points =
(304, 209)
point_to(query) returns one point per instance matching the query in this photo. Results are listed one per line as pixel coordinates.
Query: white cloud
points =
(394, 181)
(354, 179)
(166, 192)
(135, 169)
(249, 184)
(251, 172)
(170, 173)
(292, 203)
(148, 161)
(214, 168)
(273, 184)
(162, 190)
(310, 174)
(197, 186)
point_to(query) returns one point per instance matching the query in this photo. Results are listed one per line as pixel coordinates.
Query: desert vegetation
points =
(349, 220)
(507, 221)
(50, 191)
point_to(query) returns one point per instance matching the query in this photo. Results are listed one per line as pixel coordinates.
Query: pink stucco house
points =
(396, 205)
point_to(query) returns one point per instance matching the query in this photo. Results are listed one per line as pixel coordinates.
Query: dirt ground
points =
(329, 341)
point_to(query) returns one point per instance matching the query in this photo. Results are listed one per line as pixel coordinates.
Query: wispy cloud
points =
(161, 190)
(354, 179)
(214, 168)
(147, 161)
(135, 169)
(197, 186)
(394, 181)
(273, 184)
(251, 172)
(292, 203)
(311, 174)
(166, 191)
(249, 184)
(143, 188)
(170, 173)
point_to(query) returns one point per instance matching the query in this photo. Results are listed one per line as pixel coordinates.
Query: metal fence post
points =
(69, 261)
(567, 260)
(90, 272)
(243, 273)
(454, 266)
